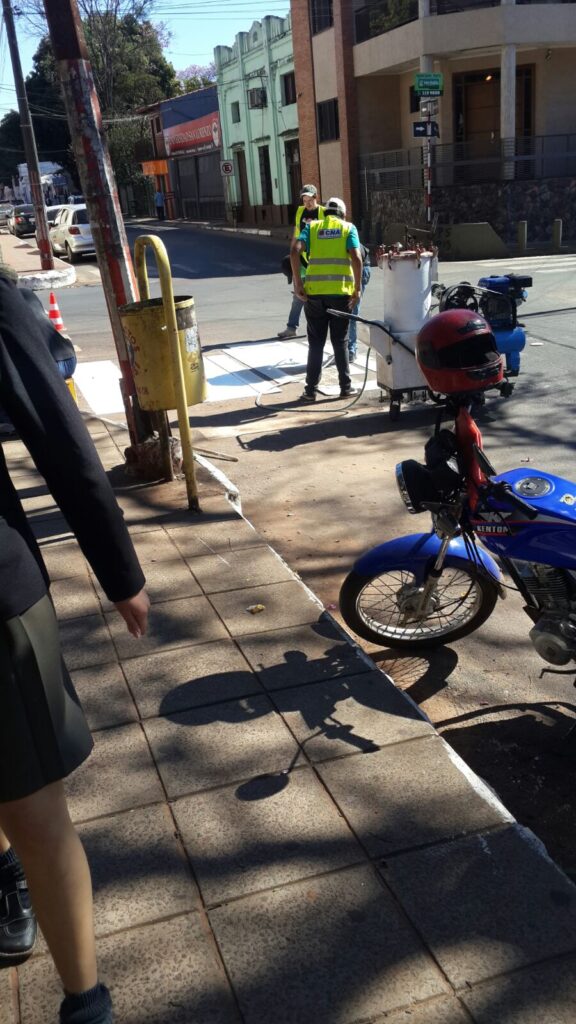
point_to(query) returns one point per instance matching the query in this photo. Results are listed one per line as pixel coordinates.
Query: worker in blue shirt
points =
(333, 281)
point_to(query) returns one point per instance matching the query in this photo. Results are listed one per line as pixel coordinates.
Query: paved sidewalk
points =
(276, 834)
(23, 256)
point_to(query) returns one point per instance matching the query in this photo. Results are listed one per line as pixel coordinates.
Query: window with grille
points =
(257, 98)
(327, 120)
(235, 112)
(288, 86)
(321, 15)
(265, 175)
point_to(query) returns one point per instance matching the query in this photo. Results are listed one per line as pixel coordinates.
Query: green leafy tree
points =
(130, 71)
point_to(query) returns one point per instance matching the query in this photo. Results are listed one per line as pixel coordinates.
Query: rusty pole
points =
(29, 142)
(99, 188)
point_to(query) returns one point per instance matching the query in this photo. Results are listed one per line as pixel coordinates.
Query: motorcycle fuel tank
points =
(550, 538)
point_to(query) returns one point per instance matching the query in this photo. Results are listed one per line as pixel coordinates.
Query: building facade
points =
(184, 155)
(506, 120)
(259, 117)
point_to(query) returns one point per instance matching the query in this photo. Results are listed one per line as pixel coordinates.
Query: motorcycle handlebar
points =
(508, 495)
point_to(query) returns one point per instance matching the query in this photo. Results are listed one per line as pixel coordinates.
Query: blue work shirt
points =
(352, 242)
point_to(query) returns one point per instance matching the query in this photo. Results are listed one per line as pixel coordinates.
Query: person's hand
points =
(354, 300)
(134, 611)
(299, 293)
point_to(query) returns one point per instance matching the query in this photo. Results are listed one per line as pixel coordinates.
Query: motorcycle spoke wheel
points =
(383, 608)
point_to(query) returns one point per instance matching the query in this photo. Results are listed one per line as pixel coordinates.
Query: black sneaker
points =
(17, 921)
(308, 396)
(349, 392)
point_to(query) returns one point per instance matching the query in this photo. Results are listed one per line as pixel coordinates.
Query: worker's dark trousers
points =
(319, 321)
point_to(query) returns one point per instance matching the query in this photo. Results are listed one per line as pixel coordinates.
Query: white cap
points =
(335, 205)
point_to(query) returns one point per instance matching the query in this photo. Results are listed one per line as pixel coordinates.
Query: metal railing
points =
(484, 158)
(382, 16)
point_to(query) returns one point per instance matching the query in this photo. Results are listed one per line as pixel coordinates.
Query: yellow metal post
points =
(167, 291)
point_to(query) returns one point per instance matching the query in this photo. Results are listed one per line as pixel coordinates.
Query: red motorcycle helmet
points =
(457, 353)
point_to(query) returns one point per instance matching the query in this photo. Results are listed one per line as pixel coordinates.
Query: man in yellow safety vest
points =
(306, 212)
(333, 281)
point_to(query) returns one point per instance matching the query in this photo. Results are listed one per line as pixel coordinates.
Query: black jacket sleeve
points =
(50, 425)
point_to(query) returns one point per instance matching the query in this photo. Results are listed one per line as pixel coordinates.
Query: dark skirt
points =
(43, 732)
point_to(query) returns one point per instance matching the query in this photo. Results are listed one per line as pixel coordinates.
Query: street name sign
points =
(429, 84)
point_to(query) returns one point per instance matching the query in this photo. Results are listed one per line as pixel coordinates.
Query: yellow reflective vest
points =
(298, 229)
(329, 270)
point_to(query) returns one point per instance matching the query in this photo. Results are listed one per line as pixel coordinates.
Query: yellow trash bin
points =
(144, 325)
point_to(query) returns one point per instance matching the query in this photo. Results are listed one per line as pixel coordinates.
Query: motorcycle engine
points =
(554, 639)
(554, 632)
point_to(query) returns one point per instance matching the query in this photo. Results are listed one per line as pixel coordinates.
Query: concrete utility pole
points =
(29, 142)
(99, 188)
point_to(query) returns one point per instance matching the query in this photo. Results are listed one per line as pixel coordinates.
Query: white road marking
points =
(98, 384)
(230, 373)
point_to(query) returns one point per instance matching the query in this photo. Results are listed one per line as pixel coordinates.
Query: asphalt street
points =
(320, 487)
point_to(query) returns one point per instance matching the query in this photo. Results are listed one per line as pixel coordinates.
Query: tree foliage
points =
(196, 76)
(130, 71)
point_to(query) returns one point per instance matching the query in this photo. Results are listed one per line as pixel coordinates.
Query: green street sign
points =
(429, 84)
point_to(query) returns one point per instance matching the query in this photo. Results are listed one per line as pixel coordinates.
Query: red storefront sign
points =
(197, 136)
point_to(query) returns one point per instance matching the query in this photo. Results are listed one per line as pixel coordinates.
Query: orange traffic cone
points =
(54, 314)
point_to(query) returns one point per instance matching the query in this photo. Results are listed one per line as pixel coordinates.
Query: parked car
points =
(71, 235)
(22, 220)
(5, 209)
(51, 214)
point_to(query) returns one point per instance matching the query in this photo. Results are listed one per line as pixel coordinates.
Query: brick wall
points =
(344, 41)
(304, 74)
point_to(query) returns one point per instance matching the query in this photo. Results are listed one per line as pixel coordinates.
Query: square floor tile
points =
(139, 871)
(170, 624)
(220, 744)
(165, 973)
(87, 641)
(409, 794)
(348, 715)
(234, 570)
(329, 950)
(433, 1011)
(104, 695)
(118, 775)
(283, 604)
(189, 677)
(246, 838)
(496, 903)
(64, 559)
(302, 654)
(154, 546)
(165, 581)
(74, 598)
(6, 1016)
(209, 534)
(544, 994)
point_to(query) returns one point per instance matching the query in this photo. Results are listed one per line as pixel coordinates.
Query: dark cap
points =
(309, 190)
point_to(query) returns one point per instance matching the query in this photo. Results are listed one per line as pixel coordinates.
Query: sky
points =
(196, 27)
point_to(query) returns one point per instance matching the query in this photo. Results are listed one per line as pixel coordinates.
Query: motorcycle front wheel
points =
(384, 609)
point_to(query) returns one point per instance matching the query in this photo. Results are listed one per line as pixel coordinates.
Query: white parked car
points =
(71, 234)
(5, 208)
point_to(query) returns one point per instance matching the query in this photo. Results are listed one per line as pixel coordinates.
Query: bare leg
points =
(58, 876)
(4, 842)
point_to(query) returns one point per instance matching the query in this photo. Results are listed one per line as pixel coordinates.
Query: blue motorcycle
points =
(429, 589)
